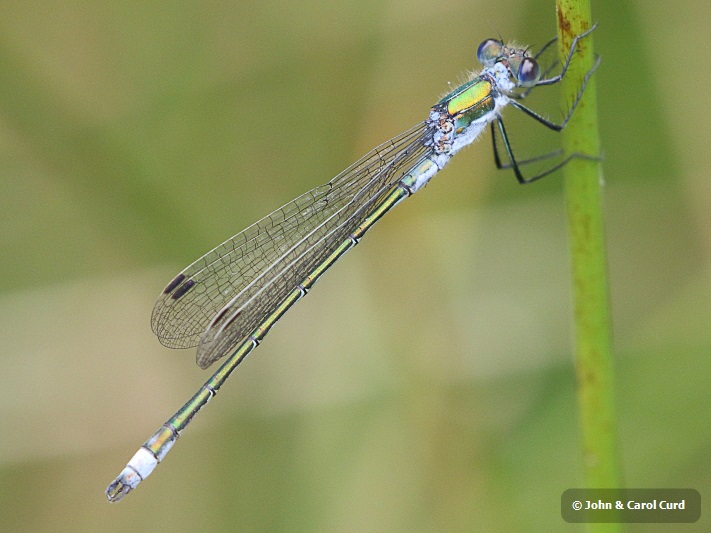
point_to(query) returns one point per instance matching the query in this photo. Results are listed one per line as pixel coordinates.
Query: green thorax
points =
(468, 102)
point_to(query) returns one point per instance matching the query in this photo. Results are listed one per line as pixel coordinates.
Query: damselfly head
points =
(518, 61)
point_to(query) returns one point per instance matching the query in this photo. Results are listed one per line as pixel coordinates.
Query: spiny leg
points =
(523, 180)
(571, 51)
(552, 125)
(505, 166)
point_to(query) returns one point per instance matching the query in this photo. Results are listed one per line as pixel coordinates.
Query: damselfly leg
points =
(515, 164)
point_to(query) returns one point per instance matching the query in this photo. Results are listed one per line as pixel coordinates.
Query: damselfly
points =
(226, 301)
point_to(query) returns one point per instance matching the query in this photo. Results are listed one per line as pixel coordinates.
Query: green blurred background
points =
(427, 383)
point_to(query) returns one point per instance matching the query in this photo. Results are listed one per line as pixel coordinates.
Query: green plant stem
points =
(593, 338)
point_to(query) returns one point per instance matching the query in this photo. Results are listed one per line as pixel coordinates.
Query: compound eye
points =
(489, 51)
(528, 72)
